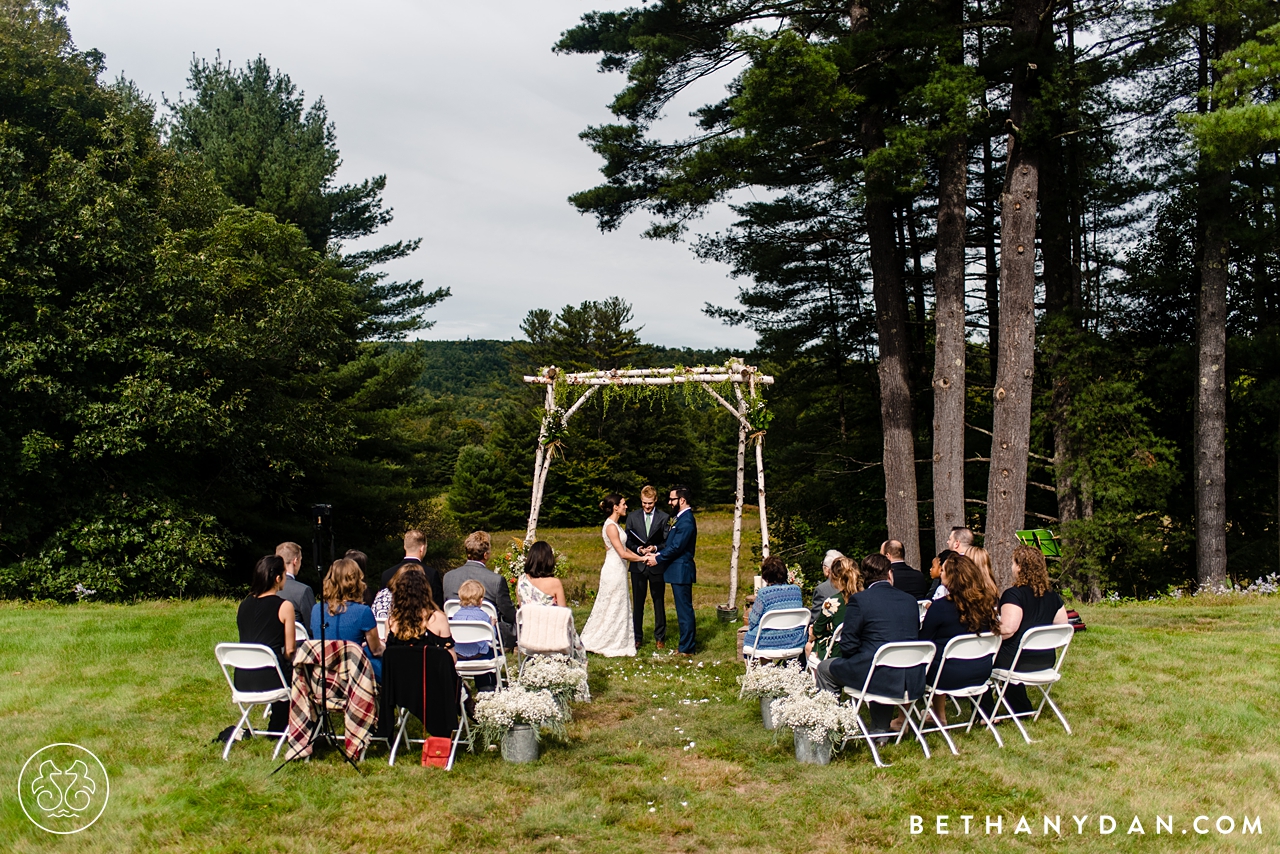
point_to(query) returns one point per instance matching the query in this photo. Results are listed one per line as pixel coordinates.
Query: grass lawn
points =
(1173, 706)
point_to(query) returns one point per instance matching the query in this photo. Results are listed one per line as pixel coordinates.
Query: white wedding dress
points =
(608, 631)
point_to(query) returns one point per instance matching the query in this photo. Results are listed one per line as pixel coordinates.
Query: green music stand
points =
(1042, 539)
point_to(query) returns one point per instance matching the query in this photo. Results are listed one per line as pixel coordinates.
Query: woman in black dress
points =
(1029, 603)
(268, 619)
(968, 608)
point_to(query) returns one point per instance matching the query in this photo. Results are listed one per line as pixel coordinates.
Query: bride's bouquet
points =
(510, 564)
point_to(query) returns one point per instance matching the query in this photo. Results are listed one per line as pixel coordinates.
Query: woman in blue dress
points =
(775, 595)
(349, 619)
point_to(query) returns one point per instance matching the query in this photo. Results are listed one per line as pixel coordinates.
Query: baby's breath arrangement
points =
(498, 711)
(771, 680)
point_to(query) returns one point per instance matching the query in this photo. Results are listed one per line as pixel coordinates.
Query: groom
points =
(646, 532)
(676, 558)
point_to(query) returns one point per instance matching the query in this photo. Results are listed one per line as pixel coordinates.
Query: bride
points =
(608, 631)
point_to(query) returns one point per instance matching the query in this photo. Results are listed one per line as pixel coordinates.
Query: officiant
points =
(646, 532)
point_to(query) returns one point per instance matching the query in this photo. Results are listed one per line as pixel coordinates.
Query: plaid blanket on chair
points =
(350, 688)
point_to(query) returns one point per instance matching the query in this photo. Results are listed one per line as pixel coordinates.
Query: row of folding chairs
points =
(920, 717)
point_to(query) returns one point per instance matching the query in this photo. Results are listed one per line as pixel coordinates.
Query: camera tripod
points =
(322, 729)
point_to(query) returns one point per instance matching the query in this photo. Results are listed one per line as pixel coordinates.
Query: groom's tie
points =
(648, 519)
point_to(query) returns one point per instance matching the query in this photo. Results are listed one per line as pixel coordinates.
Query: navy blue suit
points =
(679, 571)
(876, 616)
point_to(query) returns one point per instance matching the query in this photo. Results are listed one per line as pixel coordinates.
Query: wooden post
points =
(737, 519)
(541, 462)
(764, 518)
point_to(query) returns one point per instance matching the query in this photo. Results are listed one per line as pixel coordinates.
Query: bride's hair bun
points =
(610, 503)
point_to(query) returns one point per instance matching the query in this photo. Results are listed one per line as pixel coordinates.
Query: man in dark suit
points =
(906, 578)
(496, 591)
(415, 548)
(679, 570)
(647, 532)
(301, 595)
(878, 615)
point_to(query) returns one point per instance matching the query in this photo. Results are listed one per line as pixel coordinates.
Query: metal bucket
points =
(766, 712)
(811, 752)
(520, 744)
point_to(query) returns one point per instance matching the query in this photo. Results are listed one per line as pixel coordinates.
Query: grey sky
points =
(473, 120)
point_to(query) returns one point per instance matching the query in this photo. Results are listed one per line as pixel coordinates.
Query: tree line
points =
(1049, 225)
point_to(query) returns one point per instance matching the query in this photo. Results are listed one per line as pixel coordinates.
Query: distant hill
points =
(478, 367)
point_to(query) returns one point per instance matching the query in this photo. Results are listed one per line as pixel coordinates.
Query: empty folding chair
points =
(901, 655)
(474, 631)
(959, 648)
(782, 619)
(1036, 639)
(251, 656)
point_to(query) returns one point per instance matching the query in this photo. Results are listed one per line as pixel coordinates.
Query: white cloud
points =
(473, 120)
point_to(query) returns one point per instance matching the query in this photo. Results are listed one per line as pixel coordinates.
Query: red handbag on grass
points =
(435, 750)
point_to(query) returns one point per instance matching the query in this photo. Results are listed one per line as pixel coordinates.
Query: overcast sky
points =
(475, 123)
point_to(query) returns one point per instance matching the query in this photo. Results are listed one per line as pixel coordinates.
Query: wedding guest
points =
(826, 588)
(415, 549)
(1030, 602)
(496, 590)
(905, 577)
(538, 584)
(361, 559)
(415, 619)
(846, 580)
(982, 558)
(470, 595)
(301, 595)
(960, 540)
(777, 594)
(381, 606)
(969, 607)
(349, 619)
(268, 619)
(878, 615)
(938, 590)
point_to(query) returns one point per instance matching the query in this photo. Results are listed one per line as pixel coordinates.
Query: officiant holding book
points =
(647, 533)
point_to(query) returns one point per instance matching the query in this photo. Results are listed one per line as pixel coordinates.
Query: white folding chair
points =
(1036, 639)
(451, 607)
(782, 619)
(300, 633)
(382, 629)
(543, 630)
(901, 655)
(474, 631)
(923, 605)
(250, 656)
(960, 648)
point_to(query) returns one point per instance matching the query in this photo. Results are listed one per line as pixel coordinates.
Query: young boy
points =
(470, 595)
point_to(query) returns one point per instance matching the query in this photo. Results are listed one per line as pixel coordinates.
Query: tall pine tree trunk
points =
(902, 514)
(949, 318)
(1211, 388)
(1011, 428)
(949, 356)
(1211, 346)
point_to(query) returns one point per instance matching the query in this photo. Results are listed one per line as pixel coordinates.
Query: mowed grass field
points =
(1174, 707)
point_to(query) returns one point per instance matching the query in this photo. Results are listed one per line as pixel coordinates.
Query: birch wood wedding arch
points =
(749, 412)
